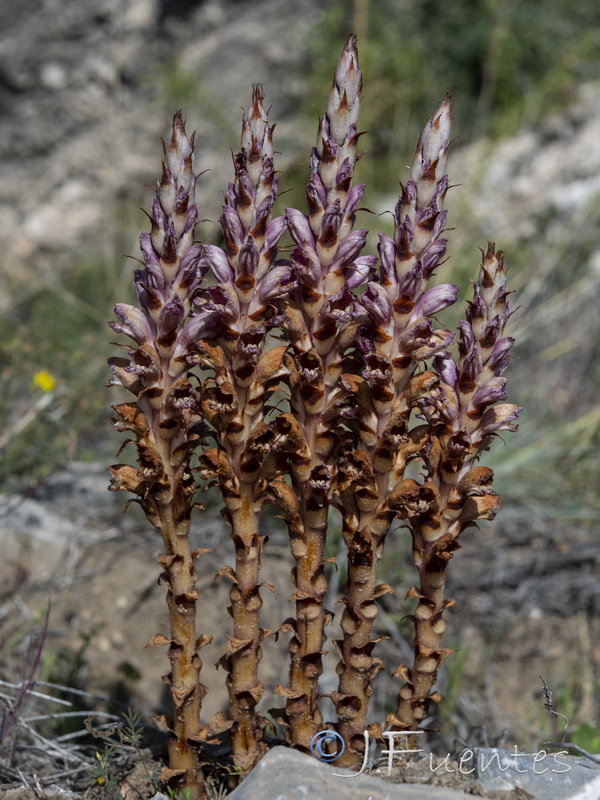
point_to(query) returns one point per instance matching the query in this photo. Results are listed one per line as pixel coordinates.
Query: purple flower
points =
(340, 307)
(387, 254)
(133, 323)
(410, 283)
(436, 299)
(439, 225)
(306, 266)
(224, 301)
(377, 368)
(316, 194)
(171, 315)
(501, 354)
(446, 368)
(344, 175)
(377, 303)
(218, 263)
(299, 228)
(354, 197)
(332, 219)
(350, 248)
(276, 282)
(358, 272)
(232, 229)
(493, 391)
(248, 256)
(151, 257)
(203, 325)
(275, 230)
(432, 256)
(498, 418)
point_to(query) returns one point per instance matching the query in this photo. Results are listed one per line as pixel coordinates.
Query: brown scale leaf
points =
(282, 691)
(163, 723)
(200, 551)
(392, 722)
(219, 402)
(410, 497)
(375, 731)
(403, 672)
(377, 664)
(289, 626)
(166, 774)
(414, 593)
(125, 444)
(228, 572)
(235, 645)
(302, 594)
(167, 560)
(381, 589)
(159, 640)
(256, 692)
(185, 598)
(180, 695)
(150, 463)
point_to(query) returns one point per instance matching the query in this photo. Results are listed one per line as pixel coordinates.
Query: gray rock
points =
(86, 93)
(545, 776)
(284, 774)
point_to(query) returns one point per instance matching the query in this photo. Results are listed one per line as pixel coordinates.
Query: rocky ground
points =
(87, 89)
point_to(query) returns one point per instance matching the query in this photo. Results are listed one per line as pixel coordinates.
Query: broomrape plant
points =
(372, 389)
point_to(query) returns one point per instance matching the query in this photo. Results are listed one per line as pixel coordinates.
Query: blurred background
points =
(87, 88)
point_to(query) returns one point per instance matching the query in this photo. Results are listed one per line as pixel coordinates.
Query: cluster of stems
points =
(365, 387)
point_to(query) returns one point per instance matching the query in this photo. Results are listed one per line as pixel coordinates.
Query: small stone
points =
(53, 76)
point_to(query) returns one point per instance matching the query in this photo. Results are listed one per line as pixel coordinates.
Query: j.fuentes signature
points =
(468, 762)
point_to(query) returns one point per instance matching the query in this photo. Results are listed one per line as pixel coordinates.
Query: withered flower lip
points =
(133, 323)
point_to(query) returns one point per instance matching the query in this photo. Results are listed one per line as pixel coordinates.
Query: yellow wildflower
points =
(44, 380)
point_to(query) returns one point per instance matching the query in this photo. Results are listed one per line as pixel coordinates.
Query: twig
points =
(13, 430)
(50, 746)
(65, 714)
(549, 705)
(64, 773)
(69, 690)
(26, 685)
(570, 745)
(33, 694)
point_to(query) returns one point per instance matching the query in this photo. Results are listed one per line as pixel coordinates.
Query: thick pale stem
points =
(186, 690)
(418, 691)
(306, 646)
(357, 667)
(245, 690)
